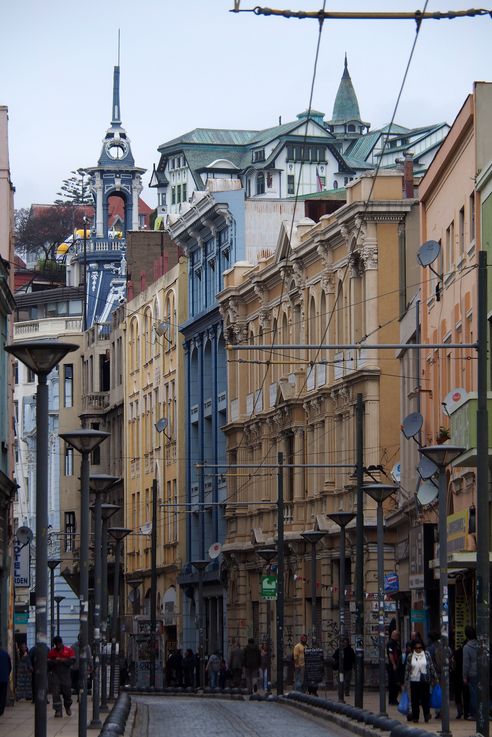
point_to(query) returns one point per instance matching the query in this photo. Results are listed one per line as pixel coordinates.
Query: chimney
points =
(408, 191)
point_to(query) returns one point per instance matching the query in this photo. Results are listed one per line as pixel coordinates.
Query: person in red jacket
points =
(60, 660)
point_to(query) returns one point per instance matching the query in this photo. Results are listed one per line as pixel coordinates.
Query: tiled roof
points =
(211, 136)
(346, 106)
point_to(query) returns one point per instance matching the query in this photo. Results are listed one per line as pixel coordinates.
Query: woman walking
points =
(419, 675)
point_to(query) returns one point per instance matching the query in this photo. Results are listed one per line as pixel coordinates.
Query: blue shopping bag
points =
(404, 705)
(436, 697)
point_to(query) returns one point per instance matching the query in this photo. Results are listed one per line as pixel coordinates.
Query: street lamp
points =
(313, 537)
(41, 356)
(99, 483)
(52, 564)
(58, 600)
(107, 511)
(268, 554)
(84, 441)
(380, 492)
(118, 534)
(200, 566)
(442, 456)
(341, 519)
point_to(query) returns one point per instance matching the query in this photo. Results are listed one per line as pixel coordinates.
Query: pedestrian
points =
(213, 668)
(461, 693)
(189, 668)
(348, 663)
(61, 658)
(264, 663)
(236, 663)
(299, 663)
(75, 669)
(419, 675)
(470, 668)
(252, 659)
(178, 667)
(393, 651)
(23, 675)
(223, 673)
(5, 670)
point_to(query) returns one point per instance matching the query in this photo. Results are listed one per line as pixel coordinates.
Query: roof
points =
(211, 136)
(346, 106)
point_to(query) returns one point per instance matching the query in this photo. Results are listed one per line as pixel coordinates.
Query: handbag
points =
(404, 705)
(436, 697)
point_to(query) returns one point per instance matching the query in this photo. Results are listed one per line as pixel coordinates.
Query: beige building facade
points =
(336, 282)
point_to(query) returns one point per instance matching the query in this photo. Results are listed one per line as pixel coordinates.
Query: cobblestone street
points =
(182, 717)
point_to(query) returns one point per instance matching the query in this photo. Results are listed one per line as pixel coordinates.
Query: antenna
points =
(161, 424)
(119, 32)
(427, 493)
(426, 468)
(426, 255)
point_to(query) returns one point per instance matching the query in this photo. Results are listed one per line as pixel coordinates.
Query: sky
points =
(192, 63)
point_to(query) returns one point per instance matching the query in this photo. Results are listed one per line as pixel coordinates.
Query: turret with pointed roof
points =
(346, 122)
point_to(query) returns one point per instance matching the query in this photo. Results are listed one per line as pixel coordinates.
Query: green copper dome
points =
(346, 106)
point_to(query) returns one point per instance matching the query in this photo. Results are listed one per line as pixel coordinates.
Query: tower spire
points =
(116, 117)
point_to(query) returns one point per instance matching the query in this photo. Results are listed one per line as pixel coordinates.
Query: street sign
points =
(269, 587)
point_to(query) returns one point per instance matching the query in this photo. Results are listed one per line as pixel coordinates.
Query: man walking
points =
(470, 668)
(348, 663)
(393, 651)
(60, 660)
(5, 669)
(299, 663)
(236, 663)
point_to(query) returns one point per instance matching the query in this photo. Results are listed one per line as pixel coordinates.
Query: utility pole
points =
(359, 554)
(153, 584)
(280, 574)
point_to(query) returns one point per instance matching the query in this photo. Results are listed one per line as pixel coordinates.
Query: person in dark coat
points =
(252, 660)
(393, 651)
(189, 668)
(23, 676)
(348, 663)
(5, 670)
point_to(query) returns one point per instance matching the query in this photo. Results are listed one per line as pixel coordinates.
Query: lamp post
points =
(134, 584)
(84, 441)
(341, 519)
(380, 492)
(99, 483)
(52, 564)
(268, 554)
(107, 511)
(313, 537)
(41, 356)
(442, 456)
(58, 600)
(200, 566)
(118, 534)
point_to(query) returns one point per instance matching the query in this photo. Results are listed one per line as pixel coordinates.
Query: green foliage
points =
(76, 189)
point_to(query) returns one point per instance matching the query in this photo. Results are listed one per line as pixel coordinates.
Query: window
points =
(69, 531)
(96, 453)
(335, 184)
(461, 233)
(449, 254)
(351, 128)
(68, 460)
(291, 184)
(173, 195)
(260, 184)
(185, 195)
(178, 193)
(16, 372)
(31, 376)
(68, 385)
(472, 216)
(259, 155)
(299, 152)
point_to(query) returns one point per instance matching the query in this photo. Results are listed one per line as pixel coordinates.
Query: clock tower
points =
(116, 184)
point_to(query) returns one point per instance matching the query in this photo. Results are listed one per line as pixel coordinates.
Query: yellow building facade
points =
(154, 449)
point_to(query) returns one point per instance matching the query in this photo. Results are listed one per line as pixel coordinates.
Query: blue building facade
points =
(212, 235)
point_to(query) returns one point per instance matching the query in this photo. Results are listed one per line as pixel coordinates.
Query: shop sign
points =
(457, 528)
(391, 582)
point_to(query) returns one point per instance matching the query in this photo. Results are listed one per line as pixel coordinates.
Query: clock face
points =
(117, 149)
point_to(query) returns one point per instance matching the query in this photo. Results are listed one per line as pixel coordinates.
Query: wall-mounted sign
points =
(21, 565)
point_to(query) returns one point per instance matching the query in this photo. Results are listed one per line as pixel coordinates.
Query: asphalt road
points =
(201, 717)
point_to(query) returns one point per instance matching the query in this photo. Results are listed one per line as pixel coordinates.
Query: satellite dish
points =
(396, 473)
(428, 252)
(427, 493)
(426, 468)
(214, 550)
(161, 424)
(412, 424)
(161, 328)
(24, 535)
(453, 398)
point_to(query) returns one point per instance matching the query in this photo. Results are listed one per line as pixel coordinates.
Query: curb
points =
(115, 723)
(360, 721)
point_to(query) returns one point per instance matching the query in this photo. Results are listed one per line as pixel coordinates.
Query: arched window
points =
(148, 334)
(340, 310)
(335, 184)
(351, 128)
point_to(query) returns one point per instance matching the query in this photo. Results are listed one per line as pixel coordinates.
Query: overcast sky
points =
(191, 63)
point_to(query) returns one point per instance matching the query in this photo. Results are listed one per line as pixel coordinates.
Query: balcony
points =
(46, 327)
(464, 428)
(96, 402)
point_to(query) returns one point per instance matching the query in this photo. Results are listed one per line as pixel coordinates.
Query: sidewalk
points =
(18, 721)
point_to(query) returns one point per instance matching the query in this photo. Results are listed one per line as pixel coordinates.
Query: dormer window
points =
(260, 183)
(259, 155)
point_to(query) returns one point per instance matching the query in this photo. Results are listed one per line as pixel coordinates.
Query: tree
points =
(76, 189)
(43, 227)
